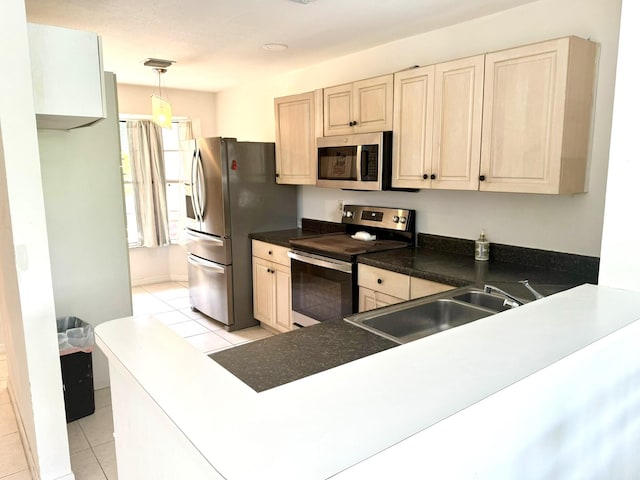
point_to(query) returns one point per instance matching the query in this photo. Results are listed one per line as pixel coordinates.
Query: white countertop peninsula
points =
(548, 390)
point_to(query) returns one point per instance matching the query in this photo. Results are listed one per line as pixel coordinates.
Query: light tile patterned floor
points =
(91, 442)
(13, 463)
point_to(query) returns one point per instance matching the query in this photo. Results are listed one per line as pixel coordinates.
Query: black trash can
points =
(75, 343)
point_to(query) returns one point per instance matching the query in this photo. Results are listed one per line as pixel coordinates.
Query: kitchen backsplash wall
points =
(570, 224)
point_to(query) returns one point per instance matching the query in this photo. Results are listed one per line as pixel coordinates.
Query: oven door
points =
(322, 288)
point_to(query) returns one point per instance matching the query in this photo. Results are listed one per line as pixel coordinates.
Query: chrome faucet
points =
(536, 294)
(510, 301)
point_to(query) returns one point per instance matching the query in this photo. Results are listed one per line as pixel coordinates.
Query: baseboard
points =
(139, 282)
(179, 278)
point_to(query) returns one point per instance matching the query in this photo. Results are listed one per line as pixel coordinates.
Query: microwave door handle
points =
(359, 163)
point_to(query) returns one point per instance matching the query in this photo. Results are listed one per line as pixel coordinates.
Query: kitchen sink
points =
(414, 319)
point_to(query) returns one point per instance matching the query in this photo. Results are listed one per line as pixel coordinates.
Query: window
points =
(174, 186)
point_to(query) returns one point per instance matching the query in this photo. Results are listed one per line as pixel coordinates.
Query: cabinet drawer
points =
(271, 252)
(391, 283)
(421, 287)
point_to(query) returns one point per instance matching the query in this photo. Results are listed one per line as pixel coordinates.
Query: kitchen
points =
(507, 223)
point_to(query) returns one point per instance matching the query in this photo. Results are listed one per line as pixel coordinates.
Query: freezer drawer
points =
(210, 247)
(210, 288)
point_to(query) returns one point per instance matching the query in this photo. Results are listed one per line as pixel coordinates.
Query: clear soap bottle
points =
(482, 248)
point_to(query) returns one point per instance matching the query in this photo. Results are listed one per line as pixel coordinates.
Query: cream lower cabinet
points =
(298, 121)
(271, 286)
(359, 107)
(379, 287)
(537, 117)
(437, 125)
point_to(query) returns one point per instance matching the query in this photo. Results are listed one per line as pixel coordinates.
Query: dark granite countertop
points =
(290, 356)
(279, 237)
(283, 358)
(309, 228)
(461, 270)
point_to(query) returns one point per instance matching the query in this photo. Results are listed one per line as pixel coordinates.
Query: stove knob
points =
(348, 213)
(396, 219)
(403, 219)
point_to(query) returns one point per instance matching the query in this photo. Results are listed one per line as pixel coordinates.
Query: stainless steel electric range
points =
(324, 274)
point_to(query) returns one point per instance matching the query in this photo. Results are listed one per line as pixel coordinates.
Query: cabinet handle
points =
(355, 123)
(379, 281)
(277, 175)
(425, 176)
(270, 252)
(482, 178)
(433, 176)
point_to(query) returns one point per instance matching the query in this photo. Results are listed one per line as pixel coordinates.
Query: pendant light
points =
(160, 108)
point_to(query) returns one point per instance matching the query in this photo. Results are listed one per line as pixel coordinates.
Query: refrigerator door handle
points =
(194, 185)
(202, 194)
(201, 236)
(201, 262)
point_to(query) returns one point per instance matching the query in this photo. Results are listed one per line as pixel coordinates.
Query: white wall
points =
(198, 106)
(26, 294)
(153, 265)
(84, 203)
(563, 223)
(620, 263)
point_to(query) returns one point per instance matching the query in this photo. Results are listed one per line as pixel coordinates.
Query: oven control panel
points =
(379, 217)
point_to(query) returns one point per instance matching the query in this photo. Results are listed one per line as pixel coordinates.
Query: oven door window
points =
(320, 293)
(337, 163)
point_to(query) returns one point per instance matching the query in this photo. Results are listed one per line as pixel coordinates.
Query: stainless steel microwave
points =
(355, 162)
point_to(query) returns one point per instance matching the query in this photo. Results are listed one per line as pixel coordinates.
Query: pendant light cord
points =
(160, 71)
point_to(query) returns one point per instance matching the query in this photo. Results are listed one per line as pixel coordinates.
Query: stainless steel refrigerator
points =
(230, 192)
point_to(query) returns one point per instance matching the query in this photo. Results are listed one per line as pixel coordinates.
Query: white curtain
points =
(147, 169)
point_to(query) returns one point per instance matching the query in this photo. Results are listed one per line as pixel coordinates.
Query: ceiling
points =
(218, 43)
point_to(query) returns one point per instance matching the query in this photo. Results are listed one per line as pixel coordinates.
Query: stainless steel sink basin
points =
(486, 300)
(408, 321)
(422, 320)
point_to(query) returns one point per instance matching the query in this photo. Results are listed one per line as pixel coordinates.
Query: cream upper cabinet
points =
(359, 107)
(67, 75)
(457, 124)
(413, 133)
(438, 119)
(537, 117)
(298, 121)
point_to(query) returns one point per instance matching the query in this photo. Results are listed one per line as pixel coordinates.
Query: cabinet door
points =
(537, 117)
(366, 299)
(264, 292)
(298, 124)
(370, 299)
(338, 110)
(373, 104)
(68, 78)
(413, 120)
(282, 319)
(457, 124)
(359, 107)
